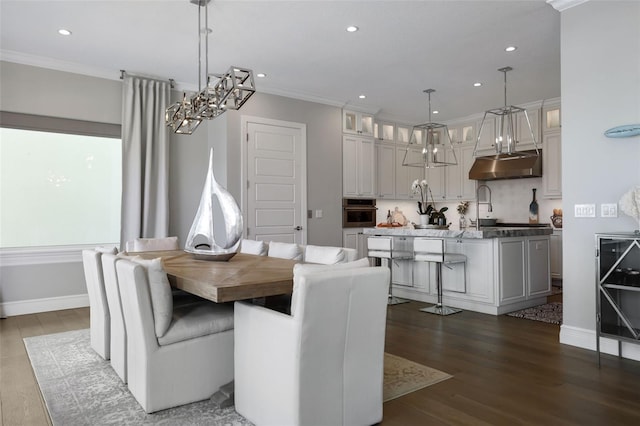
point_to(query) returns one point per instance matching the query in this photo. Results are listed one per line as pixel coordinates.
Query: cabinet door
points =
(385, 132)
(465, 160)
(487, 135)
(512, 257)
(403, 133)
(350, 237)
(552, 165)
(366, 166)
(386, 157)
(524, 138)
(435, 179)
(350, 166)
(405, 175)
(479, 277)
(453, 176)
(538, 275)
(357, 123)
(555, 254)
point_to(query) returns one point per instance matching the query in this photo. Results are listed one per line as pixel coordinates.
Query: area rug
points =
(80, 388)
(549, 312)
(402, 376)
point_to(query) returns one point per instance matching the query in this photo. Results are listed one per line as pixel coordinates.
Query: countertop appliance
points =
(358, 212)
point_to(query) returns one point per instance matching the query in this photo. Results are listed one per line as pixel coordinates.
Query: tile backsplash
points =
(510, 199)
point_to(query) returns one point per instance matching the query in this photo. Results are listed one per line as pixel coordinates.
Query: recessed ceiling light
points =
(64, 32)
(261, 75)
(436, 111)
(477, 84)
(362, 96)
(511, 48)
(352, 28)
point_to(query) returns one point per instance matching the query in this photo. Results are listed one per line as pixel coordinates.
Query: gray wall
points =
(600, 90)
(39, 91)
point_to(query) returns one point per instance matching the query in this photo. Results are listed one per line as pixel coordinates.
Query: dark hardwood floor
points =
(507, 371)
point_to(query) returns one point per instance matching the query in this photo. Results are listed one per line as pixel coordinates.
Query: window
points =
(59, 188)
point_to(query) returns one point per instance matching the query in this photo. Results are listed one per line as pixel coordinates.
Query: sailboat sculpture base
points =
(218, 256)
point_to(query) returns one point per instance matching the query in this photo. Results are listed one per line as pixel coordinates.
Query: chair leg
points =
(439, 308)
(393, 300)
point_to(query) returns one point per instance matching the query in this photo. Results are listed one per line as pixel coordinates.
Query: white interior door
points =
(275, 159)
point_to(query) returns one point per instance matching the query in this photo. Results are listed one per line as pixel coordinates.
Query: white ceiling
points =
(402, 48)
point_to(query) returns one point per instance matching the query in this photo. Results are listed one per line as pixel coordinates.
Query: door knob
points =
(298, 228)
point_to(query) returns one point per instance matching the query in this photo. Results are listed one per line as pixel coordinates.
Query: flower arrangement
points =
(462, 207)
(421, 187)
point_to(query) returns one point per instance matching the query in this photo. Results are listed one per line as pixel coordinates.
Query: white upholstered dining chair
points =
(99, 318)
(152, 244)
(175, 355)
(319, 365)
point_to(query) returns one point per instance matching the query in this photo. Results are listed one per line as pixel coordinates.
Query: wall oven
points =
(358, 212)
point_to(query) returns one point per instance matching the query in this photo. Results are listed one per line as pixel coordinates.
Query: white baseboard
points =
(586, 339)
(34, 306)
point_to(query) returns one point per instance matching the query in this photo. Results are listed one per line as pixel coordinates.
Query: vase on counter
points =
(463, 222)
(424, 219)
(533, 209)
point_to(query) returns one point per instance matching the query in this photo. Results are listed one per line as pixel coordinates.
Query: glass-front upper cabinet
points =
(403, 133)
(551, 119)
(385, 132)
(357, 122)
(462, 133)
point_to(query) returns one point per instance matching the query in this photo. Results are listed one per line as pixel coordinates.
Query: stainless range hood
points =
(523, 164)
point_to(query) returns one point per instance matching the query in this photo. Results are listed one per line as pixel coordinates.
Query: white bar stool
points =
(432, 250)
(382, 248)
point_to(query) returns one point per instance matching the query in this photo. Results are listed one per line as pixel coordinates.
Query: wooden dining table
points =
(244, 276)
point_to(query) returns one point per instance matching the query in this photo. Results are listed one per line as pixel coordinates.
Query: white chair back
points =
(99, 319)
(152, 244)
(258, 248)
(328, 363)
(285, 250)
(118, 348)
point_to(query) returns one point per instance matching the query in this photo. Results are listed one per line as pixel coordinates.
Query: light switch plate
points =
(585, 210)
(318, 214)
(609, 210)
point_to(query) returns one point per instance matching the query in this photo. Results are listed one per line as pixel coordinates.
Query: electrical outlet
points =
(608, 210)
(585, 210)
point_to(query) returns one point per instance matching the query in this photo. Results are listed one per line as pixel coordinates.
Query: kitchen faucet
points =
(489, 208)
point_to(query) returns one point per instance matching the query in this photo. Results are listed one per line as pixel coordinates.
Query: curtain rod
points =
(171, 80)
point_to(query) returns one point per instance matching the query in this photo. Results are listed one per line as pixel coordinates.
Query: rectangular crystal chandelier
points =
(222, 92)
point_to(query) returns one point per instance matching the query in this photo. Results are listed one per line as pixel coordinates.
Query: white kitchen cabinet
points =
(386, 171)
(478, 282)
(552, 165)
(555, 253)
(358, 167)
(523, 135)
(405, 175)
(357, 123)
(384, 131)
(538, 270)
(523, 268)
(462, 133)
(551, 119)
(457, 183)
(355, 239)
(403, 133)
(512, 272)
(436, 180)
(487, 136)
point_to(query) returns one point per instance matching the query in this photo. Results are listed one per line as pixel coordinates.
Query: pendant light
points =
(437, 149)
(221, 92)
(506, 128)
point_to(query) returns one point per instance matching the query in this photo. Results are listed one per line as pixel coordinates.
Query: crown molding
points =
(562, 5)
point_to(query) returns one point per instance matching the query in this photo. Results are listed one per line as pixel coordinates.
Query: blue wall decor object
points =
(625, 131)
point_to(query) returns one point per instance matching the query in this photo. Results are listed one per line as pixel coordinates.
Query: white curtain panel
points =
(145, 159)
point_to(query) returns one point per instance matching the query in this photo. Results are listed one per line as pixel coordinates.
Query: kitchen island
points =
(507, 268)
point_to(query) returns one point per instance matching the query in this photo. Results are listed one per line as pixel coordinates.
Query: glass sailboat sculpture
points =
(201, 240)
